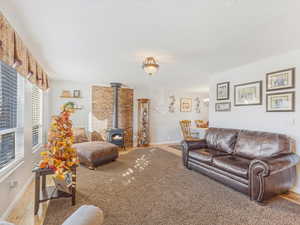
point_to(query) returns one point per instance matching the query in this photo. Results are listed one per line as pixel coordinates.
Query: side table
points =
(44, 193)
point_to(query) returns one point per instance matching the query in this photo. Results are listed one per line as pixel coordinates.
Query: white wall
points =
(81, 117)
(256, 117)
(164, 126)
(22, 173)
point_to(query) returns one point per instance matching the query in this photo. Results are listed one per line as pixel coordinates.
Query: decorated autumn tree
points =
(60, 156)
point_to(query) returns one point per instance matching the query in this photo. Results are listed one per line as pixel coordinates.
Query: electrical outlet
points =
(13, 184)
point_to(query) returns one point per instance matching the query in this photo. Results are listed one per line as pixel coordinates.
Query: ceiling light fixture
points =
(150, 65)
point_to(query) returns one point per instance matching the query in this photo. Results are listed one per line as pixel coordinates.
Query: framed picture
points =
(223, 91)
(281, 102)
(76, 93)
(185, 105)
(248, 94)
(282, 79)
(223, 107)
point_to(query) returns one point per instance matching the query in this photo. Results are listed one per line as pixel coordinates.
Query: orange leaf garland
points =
(60, 156)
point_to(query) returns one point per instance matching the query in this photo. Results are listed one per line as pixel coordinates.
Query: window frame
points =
(40, 124)
(18, 131)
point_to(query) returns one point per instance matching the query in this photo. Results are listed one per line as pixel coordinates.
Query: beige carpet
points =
(151, 186)
(177, 147)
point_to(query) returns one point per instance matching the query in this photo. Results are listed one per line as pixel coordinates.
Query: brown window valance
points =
(20, 56)
(39, 76)
(45, 82)
(6, 41)
(14, 53)
(31, 68)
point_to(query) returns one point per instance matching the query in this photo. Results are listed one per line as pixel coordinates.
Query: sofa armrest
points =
(272, 176)
(191, 145)
(86, 215)
(277, 164)
(5, 223)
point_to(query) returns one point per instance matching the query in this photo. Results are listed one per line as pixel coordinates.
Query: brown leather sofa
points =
(258, 164)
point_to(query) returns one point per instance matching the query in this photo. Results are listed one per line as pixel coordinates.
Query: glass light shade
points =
(150, 69)
(150, 66)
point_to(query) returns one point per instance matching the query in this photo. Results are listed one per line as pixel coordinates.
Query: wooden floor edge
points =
(292, 196)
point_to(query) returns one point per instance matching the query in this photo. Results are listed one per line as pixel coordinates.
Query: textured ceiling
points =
(106, 40)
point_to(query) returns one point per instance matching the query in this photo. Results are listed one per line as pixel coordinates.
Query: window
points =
(37, 97)
(11, 115)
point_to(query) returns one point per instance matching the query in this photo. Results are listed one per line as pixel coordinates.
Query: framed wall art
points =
(282, 79)
(223, 107)
(281, 102)
(186, 105)
(172, 104)
(248, 94)
(76, 93)
(197, 106)
(223, 91)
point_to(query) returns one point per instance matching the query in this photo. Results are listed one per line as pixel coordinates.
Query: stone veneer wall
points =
(102, 109)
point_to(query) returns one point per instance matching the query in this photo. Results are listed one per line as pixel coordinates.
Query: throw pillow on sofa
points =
(96, 136)
(80, 135)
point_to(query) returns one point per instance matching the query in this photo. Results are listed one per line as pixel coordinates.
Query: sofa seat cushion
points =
(205, 154)
(233, 164)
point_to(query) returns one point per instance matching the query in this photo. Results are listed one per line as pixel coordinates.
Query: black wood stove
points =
(115, 135)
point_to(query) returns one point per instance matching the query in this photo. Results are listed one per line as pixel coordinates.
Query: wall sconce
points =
(206, 101)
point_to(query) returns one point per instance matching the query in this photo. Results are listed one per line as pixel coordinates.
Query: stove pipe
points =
(115, 118)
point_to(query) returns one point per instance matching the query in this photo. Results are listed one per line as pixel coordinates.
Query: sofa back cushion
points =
(221, 139)
(259, 145)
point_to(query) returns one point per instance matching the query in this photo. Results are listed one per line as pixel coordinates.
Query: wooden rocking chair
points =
(186, 131)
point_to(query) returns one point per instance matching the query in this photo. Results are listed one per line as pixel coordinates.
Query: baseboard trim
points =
(165, 142)
(16, 199)
(292, 196)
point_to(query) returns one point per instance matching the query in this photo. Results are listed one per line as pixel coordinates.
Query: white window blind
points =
(8, 113)
(36, 116)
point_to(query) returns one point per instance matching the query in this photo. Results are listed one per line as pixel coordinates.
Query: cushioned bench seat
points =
(95, 153)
